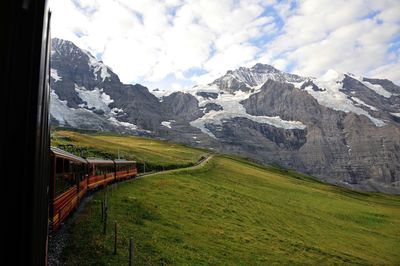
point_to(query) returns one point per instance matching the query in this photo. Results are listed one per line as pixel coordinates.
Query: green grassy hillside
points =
(158, 155)
(233, 212)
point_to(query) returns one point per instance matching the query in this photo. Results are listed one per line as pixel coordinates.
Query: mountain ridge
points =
(340, 128)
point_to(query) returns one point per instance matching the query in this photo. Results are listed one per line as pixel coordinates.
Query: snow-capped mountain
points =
(85, 93)
(246, 79)
(341, 128)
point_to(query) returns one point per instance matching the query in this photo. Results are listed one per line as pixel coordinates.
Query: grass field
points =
(157, 155)
(233, 212)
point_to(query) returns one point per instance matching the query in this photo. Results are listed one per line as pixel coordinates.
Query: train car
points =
(101, 172)
(68, 179)
(72, 176)
(125, 169)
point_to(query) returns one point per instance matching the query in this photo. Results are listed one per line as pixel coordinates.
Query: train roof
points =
(61, 153)
(122, 161)
(100, 161)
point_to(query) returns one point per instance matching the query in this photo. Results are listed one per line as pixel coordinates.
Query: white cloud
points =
(233, 57)
(389, 71)
(176, 86)
(280, 64)
(230, 58)
(150, 40)
(344, 35)
(349, 48)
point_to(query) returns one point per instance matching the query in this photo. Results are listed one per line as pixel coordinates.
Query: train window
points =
(98, 170)
(104, 169)
(79, 170)
(124, 168)
(82, 172)
(64, 182)
(67, 168)
(59, 165)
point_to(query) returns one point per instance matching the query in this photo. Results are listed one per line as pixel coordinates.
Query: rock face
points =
(181, 106)
(338, 143)
(340, 128)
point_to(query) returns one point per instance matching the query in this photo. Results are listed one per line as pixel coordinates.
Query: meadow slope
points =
(230, 211)
(156, 154)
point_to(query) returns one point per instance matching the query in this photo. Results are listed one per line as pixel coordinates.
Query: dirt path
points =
(195, 166)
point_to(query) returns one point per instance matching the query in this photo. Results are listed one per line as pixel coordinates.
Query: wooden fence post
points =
(131, 251)
(102, 210)
(105, 219)
(115, 238)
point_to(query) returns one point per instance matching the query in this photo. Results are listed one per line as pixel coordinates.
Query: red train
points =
(71, 177)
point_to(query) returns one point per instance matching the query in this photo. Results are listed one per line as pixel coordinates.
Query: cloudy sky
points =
(178, 43)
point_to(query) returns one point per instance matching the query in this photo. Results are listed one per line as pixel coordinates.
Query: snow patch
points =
(116, 122)
(204, 88)
(297, 84)
(167, 123)
(232, 108)
(363, 103)
(64, 114)
(54, 75)
(348, 149)
(375, 87)
(98, 67)
(58, 108)
(161, 93)
(332, 97)
(75, 117)
(395, 114)
(95, 98)
(116, 111)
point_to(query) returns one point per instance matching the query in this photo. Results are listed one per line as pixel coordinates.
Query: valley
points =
(230, 211)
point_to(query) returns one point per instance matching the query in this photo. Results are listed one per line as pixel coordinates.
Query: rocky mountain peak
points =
(80, 60)
(264, 68)
(246, 79)
(62, 47)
